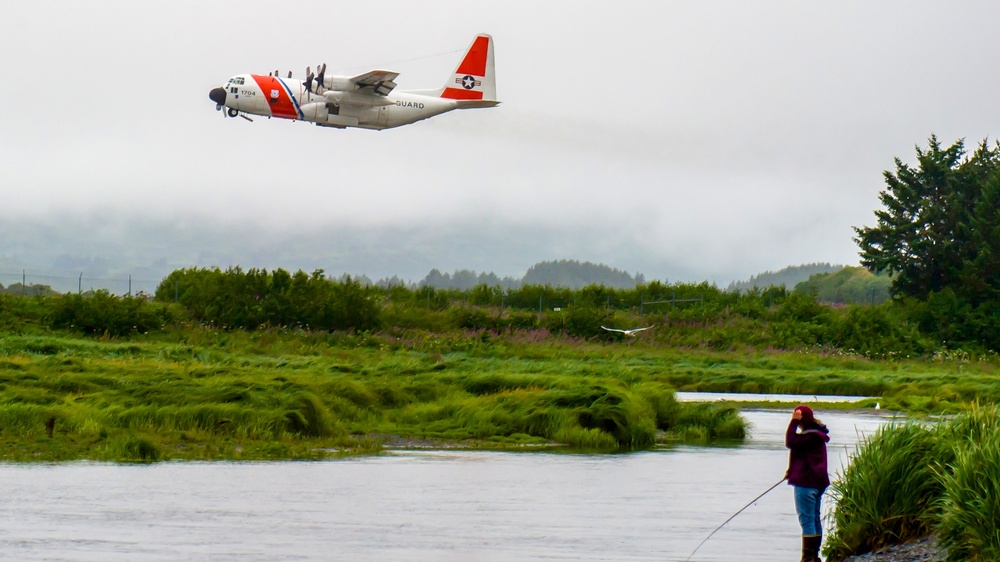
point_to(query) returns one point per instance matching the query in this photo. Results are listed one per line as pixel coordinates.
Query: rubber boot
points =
(810, 548)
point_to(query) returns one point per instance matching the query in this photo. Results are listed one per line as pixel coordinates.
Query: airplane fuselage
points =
(288, 98)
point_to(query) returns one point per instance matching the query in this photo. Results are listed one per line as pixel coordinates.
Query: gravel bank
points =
(923, 550)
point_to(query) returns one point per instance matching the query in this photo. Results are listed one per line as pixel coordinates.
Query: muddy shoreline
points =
(926, 549)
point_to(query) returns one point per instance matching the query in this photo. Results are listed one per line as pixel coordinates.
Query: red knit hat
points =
(807, 413)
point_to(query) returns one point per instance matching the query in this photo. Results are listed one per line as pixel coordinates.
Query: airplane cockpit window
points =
(236, 81)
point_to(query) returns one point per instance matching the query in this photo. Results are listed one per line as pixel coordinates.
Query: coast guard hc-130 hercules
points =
(367, 100)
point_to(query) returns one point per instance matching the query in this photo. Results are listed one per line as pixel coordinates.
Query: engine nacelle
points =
(341, 83)
(315, 112)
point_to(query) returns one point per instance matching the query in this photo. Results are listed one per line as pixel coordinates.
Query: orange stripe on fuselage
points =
(474, 62)
(281, 105)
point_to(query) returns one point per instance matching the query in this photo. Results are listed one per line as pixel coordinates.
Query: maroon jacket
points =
(807, 458)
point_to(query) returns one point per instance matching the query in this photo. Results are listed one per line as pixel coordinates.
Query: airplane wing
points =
(380, 81)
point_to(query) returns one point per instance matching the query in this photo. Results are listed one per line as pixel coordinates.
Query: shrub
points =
(106, 313)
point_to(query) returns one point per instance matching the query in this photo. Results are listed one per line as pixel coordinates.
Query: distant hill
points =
(850, 285)
(563, 273)
(788, 277)
(574, 274)
(33, 290)
(463, 279)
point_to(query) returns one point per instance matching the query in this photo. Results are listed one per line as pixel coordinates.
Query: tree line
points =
(689, 315)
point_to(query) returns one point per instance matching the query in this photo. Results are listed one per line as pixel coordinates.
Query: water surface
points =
(421, 505)
(744, 397)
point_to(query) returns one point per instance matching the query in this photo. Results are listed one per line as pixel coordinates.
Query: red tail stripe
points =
(474, 62)
(461, 94)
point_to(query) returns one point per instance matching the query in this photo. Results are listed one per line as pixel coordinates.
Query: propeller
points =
(319, 78)
(309, 79)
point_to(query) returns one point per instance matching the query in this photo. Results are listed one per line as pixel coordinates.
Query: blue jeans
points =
(807, 507)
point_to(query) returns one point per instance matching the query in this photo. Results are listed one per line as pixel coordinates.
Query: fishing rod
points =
(753, 501)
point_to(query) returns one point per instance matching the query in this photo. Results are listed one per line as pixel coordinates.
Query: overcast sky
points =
(690, 141)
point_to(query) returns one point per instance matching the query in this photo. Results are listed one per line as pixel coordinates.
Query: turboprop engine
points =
(315, 112)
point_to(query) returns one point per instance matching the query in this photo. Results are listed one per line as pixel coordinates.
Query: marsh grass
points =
(213, 394)
(229, 390)
(885, 494)
(969, 525)
(908, 480)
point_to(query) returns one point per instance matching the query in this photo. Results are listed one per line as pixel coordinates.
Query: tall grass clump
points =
(306, 415)
(585, 417)
(135, 448)
(910, 480)
(709, 422)
(663, 402)
(970, 506)
(969, 526)
(886, 495)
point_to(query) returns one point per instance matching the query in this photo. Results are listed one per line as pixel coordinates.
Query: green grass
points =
(203, 393)
(214, 394)
(909, 480)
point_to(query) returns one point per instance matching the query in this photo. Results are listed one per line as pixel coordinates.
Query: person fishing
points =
(806, 439)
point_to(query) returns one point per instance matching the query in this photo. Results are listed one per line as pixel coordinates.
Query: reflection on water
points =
(421, 505)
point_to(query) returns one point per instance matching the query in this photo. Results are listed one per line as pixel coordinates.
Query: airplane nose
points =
(218, 95)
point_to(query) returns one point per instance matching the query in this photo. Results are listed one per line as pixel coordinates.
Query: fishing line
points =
(753, 501)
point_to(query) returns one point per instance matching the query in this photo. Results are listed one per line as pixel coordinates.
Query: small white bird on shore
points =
(630, 333)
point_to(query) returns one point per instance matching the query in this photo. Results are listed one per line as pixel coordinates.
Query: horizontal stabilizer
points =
(472, 104)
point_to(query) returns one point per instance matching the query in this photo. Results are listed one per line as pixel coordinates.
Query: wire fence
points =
(27, 283)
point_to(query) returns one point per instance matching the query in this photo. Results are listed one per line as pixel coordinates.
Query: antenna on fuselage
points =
(289, 73)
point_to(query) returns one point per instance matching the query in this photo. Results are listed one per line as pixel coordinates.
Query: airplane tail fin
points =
(474, 79)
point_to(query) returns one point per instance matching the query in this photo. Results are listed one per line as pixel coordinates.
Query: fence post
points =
(79, 284)
(24, 277)
(130, 284)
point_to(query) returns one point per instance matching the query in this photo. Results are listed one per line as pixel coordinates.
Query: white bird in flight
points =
(630, 333)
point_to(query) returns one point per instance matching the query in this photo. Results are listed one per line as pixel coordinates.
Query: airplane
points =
(367, 101)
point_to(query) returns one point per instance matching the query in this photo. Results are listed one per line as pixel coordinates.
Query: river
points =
(422, 505)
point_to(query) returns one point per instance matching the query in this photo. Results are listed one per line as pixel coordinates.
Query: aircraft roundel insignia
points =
(468, 82)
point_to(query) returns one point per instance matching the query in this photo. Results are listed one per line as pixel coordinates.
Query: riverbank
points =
(926, 549)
